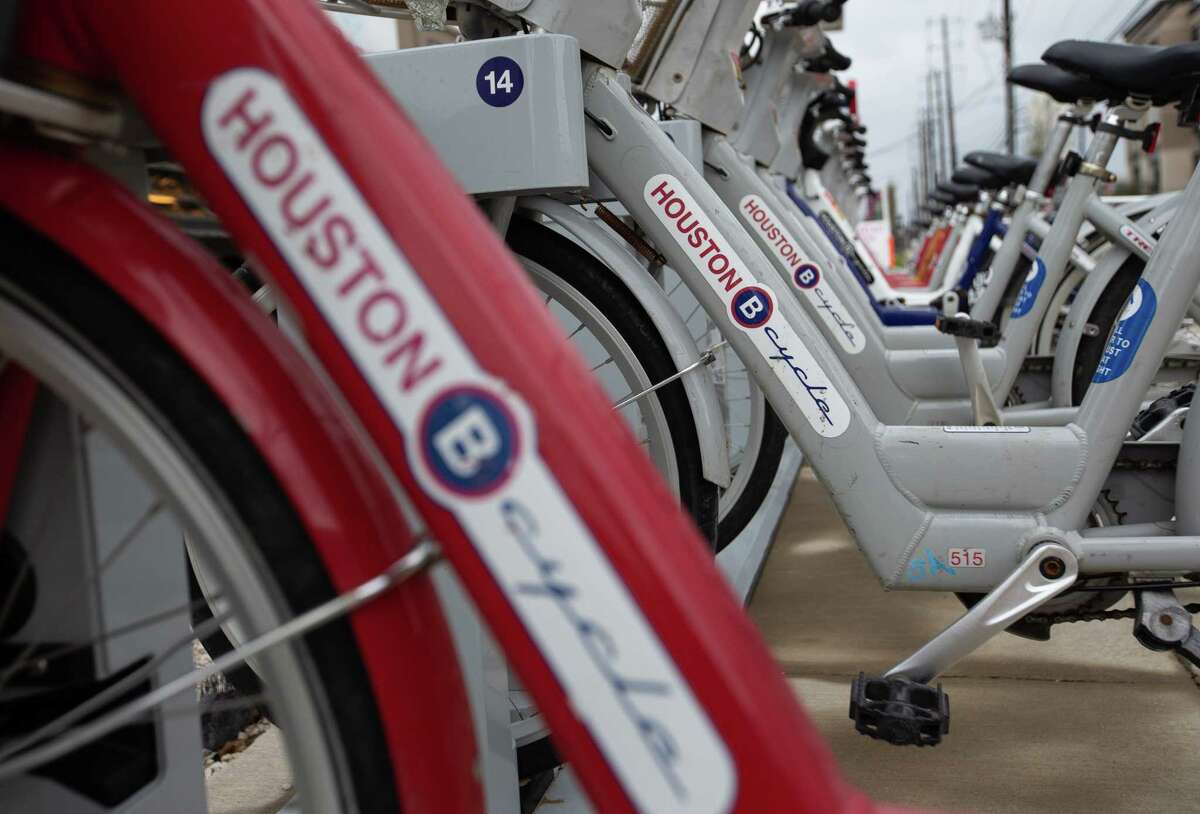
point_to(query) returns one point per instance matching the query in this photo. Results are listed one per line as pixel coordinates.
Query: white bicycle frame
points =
(842, 437)
(911, 495)
(903, 403)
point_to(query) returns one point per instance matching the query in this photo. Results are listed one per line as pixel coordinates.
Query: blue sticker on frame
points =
(1030, 288)
(500, 81)
(1127, 336)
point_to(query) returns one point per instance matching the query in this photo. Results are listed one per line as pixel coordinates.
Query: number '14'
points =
(504, 83)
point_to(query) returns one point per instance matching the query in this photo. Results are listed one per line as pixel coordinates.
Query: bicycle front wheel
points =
(618, 340)
(123, 423)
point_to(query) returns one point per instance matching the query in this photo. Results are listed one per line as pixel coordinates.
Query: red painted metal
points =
(165, 56)
(927, 260)
(301, 432)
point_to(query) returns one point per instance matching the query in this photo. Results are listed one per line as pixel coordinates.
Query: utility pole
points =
(1009, 110)
(917, 199)
(941, 133)
(923, 135)
(949, 94)
(935, 170)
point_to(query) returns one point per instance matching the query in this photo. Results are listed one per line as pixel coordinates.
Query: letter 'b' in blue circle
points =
(751, 307)
(807, 276)
(500, 81)
(470, 441)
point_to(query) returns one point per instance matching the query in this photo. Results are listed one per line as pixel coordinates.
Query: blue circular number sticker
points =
(500, 81)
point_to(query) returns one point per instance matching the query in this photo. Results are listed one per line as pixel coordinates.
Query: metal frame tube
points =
(1165, 291)
(1005, 261)
(867, 467)
(1050, 266)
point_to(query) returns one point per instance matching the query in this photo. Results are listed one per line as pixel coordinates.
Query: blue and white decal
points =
(500, 81)
(1128, 334)
(469, 440)
(473, 447)
(749, 304)
(751, 307)
(1030, 289)
(772, 231)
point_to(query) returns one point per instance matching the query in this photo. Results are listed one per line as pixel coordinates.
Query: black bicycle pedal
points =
(988, 333)
(899, 711)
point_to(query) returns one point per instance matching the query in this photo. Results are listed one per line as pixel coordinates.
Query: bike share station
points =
(534, 165)
(900, 456)
(527, 95)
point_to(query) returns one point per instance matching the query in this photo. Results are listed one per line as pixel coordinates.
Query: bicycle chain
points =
(1096, 616)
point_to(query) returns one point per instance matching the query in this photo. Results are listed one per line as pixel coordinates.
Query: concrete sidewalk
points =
(1088, 722)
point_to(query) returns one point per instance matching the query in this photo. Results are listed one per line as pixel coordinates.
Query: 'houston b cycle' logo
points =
(751, 307)
(807, 276)
(469, 441)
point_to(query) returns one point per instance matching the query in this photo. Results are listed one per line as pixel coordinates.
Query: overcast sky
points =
(894, 43)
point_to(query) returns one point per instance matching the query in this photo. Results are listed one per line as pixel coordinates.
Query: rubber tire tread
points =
(1104, 315)
(1020, 272)
(96, 321)
(762, 476)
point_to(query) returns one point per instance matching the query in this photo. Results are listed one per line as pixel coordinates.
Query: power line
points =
(972, 100)
(946, 71)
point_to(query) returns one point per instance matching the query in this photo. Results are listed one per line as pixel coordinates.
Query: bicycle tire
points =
(51, 287)
(587, 275)
(750, 482)
(763, 467)
(1003, 311)
(1104, 315)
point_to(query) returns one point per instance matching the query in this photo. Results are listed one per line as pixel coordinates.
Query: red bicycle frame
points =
(227, 87)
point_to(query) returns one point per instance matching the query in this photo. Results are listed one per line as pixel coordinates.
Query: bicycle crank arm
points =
(1049, 570)
(901, 708)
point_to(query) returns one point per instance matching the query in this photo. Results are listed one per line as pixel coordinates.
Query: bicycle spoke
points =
(607, 361)
(37, 535)
(238, 704)
(59, 724)
(132, 627)
(422, 555)
(139, 524)
(24, 659)
(11, 600)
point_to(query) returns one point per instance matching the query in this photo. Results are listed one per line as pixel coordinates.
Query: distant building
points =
(1164, 22)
